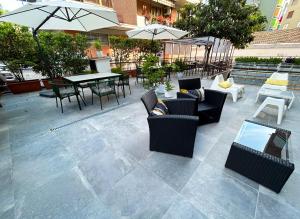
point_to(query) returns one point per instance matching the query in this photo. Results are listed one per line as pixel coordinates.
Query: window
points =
(285, 26)
(290, 14)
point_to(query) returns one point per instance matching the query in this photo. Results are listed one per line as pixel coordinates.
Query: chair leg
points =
(100, 102)
(82, 93)
(69, 99)
(107, 97)
(92, 98)
(56, 102)
(129, 88)
(61, 106)
(117, 98)
(82, 99)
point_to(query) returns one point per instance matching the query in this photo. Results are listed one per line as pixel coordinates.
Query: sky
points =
(10, 5)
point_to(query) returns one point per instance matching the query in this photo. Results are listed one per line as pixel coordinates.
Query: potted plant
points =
(154, 74)
(168, 88)
(179, 67)
(63, 54)
(98, 46)
(17, 52)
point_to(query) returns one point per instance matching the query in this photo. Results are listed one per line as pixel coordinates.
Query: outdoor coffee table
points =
(77, 79)
(260, 152)
(286, 95)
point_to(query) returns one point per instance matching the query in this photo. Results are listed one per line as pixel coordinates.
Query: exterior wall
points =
(294, 21)
(270, 50)
(126, 11)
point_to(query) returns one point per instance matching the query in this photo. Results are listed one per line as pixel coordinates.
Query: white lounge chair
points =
(236, 90)
(277, 76)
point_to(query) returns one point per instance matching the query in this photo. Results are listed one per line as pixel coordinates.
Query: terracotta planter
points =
(132, 73)
(24, 86)
(46, 83)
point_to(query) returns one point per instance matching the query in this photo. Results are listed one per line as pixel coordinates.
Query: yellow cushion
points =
(277, 82)
(184, 91)
(225, 84)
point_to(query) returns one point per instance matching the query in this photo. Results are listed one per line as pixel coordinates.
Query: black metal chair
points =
(210, 109)
(175, 132)
(103, 88)
(64, 90)
(122, 82)
(139, 74)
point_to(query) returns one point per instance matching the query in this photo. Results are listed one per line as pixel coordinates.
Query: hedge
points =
(259, 60)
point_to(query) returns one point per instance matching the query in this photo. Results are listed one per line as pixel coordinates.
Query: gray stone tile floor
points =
(96, 164)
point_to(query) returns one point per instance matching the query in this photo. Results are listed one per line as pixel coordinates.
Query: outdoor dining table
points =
(77, 79)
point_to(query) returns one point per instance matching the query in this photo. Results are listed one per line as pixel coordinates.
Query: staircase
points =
(257, 74)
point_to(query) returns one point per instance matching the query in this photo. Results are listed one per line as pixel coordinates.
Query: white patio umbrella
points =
(156, 32)
(62, 15)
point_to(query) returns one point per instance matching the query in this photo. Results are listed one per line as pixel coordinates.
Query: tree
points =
(17, 48)
(229, 19)
(126, 48)
(122, 48)
(61, 54)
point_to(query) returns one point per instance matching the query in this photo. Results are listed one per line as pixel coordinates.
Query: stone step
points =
(258, 78)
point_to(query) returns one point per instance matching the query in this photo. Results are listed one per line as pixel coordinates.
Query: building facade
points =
(291, 18)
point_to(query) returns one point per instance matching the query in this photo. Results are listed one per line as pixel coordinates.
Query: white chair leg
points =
(234, 96)
(260, 108)
(280, 114)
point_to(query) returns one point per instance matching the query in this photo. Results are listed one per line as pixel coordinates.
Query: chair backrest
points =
(190, 84)
(218, 79)
(149, 100)
(138, 70)
(55, 88)
(280, 76)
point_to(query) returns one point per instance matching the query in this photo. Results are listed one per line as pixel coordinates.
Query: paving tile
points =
(65, 196)
(269, 208)
(106, 168)
(174, 170)
(9, 214)
(219, 195)
(290, 193)
(140, 194)
(36, 163)
(183, 209)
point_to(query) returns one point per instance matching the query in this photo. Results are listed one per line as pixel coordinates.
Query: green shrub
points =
(258, 60)
(181, 66)
(117, 70)
(154, 75)
(297, 61)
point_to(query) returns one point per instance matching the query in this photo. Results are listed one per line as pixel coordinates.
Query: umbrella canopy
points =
(62, 15)
(156, 32)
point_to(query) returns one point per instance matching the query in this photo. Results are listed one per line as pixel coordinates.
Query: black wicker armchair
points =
(210, 109)
(175, 132)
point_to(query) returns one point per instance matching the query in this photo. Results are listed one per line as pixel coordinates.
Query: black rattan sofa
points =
(175, 132)
(210, 109)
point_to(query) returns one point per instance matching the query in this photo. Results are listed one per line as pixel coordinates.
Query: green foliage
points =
(97, 44)
(125, 48)
(117, 70)
(259, 60)
(88, 72)
(229, 19)
(153, 74)
(168, 85)
(297, 61)
(17, 48)
(62, 54)
(179, 65)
